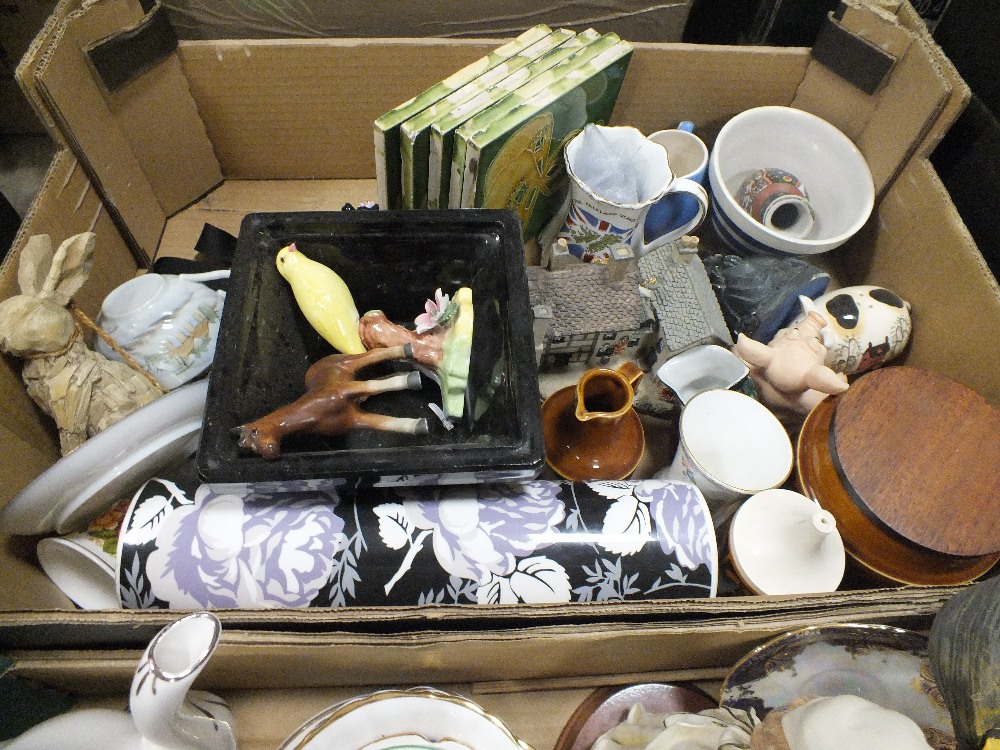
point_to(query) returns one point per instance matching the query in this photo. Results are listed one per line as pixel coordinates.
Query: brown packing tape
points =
(143, 145)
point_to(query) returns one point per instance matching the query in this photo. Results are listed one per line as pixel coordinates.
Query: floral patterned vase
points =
(184, 546)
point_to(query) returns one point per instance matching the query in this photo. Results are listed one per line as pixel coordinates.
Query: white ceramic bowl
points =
(420, 717)
(832, 170)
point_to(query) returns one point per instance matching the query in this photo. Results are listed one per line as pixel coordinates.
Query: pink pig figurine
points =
(789, 373)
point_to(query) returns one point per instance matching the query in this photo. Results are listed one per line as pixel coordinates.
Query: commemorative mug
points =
(616, 176)
(731, 447)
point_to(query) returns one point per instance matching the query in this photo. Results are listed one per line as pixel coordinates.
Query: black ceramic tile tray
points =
(393, 261)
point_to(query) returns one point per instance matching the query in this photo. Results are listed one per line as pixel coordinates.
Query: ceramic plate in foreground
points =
(422, 718)
(886, 665)
(109, 465)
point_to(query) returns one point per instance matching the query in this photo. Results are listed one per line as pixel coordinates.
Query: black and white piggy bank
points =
(866, 326)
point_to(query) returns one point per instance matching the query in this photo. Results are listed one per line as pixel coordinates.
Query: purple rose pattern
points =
(538, 541)
(274, 551)
(484, 534)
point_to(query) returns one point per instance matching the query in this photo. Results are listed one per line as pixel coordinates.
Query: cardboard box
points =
(222, 128)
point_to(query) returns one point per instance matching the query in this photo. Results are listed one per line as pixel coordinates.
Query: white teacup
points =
(616, 176)
(730, 447)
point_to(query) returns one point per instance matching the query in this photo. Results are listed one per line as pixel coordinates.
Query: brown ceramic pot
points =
(877, 555)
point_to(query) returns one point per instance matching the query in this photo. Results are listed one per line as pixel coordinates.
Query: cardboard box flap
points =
(947, 338)
(890, 124)
(961, 92)
(65, 628)
(66, 205)
(128, 54)
(25, 71)
(499, 657)
(144, 144)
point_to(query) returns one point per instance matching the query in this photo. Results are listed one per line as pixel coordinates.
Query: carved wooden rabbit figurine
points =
(789, 373)
(83, 391)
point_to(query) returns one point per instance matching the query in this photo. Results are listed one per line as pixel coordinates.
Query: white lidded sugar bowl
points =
(167, 323)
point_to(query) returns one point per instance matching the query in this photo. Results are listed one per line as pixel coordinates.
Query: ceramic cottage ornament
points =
(789, 372)
(164, 713)
(441, 343)
(82, 390)
(323, 297)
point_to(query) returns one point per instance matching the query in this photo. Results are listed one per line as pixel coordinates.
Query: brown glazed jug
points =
(591, 430)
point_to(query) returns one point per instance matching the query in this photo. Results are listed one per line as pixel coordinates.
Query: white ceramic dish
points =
(702, 368)
(422, 718)
(832, 170)
(80, 571)
(109, 465)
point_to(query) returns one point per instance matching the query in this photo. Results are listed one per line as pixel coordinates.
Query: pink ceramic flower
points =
(434, 311)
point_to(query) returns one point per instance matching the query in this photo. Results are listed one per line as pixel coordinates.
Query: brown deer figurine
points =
(330, 405)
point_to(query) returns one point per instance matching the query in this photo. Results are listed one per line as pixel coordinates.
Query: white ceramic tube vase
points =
(165, 714)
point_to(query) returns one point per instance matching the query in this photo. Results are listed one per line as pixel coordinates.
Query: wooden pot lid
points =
(920, 455)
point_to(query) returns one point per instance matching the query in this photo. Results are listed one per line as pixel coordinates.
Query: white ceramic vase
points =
(169, 324)
(164, 713)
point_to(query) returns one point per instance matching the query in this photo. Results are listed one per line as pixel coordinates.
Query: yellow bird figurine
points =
(324, 299)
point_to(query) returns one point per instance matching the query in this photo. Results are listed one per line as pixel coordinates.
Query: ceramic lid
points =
(920, 456)
(785, 543)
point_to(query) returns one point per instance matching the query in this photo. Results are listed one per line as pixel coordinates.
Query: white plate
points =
(420, 717)
(109, 465)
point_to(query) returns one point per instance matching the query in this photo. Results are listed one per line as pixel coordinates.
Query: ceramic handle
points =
(206, 275)
(681, 185)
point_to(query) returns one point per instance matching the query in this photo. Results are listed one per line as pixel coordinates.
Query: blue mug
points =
(679, 213)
